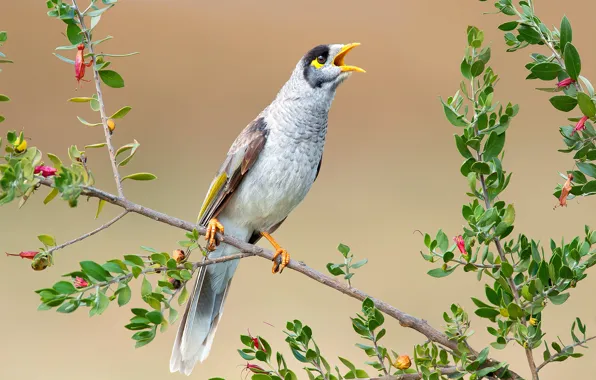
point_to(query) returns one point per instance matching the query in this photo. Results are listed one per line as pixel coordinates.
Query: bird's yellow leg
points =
(278, 266)
(213, 227)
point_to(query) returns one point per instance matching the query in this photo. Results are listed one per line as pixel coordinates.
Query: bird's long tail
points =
(203, 312)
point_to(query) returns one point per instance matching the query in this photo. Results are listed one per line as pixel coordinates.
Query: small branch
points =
(381, 361)
(417, 376)
(102, 108)
(248, 249)
(88, 234)
(479, 266)
(563, 352)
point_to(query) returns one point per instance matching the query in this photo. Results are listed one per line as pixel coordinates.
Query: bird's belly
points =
(273, 187)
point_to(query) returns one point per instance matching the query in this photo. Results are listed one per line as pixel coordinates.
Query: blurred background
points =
(390, 167)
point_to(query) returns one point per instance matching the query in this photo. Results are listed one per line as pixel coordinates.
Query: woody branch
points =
(247, 250)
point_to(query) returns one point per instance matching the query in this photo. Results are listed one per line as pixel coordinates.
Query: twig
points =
(248, 249)
(417, 376)
(563, 352)
(102, 108)
(88, 234)
(381, 359)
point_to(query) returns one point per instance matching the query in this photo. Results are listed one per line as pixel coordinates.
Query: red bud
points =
(24, 255)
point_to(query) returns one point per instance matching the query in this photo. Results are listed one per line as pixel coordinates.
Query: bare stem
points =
(102, 108)
(248, 249)
(563, 352)
(381, 361)
(88, 234)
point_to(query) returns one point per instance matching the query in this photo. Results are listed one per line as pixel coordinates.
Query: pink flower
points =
(80, 282)
(24, 255)
(581, 125)
(45, 171)
(461, 244)
(565, 82)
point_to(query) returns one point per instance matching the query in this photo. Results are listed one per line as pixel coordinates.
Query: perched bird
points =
(267, 172)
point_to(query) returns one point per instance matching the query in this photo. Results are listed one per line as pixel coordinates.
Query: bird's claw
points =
(281, 259)
(213, 227)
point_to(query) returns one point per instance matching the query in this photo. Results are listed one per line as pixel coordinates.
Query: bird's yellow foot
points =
(213, 227)
(281, 259)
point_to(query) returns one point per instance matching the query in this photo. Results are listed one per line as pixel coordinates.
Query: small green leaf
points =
(586, 104)
(80, 100)
(559, 299)
(462, 147)
(124, 295)
(546, 70)
(50, 196)
(92, 146)
(84, 122)
(506, 269)
(481, 168)
(477, 68)
(65, 287)
(572, 61)
(99, 207)
(452, 116)
(121, 113)
(494, 146)
(515, 311)
(111, 78)
(67, 60)
(439, 272)
(145, 287)
(73, 33)
(488, 313)
(183, 297)
(140, 177)
(509, 26)
(94, 270)
(47, 240)
(343, 249)
(566, 33)
(4, 98)
(563, 102)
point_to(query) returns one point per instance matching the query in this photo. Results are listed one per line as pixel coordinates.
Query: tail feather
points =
(203, 313)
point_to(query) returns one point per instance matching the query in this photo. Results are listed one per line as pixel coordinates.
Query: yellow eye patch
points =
(315, 63)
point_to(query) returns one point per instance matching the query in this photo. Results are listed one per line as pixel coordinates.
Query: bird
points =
(267, 172)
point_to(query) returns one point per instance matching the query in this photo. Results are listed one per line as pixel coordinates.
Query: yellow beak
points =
(339, 59)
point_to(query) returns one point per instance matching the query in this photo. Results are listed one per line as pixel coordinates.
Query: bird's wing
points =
(242, 155)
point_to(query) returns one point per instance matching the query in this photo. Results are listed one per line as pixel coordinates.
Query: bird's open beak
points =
(339, 59)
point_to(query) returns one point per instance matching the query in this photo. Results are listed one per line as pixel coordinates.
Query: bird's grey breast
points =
(285, 170)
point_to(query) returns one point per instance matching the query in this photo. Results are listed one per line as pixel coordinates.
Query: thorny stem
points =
(564, 351)
(496, 240)
(248, 249)
(102, 108)
(88, 234)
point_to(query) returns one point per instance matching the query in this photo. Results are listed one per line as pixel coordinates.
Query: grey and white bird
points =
(267, 172)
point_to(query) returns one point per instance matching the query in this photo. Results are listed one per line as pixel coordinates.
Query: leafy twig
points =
(563, 352)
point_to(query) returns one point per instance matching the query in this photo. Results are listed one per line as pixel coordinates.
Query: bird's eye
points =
(321, 60)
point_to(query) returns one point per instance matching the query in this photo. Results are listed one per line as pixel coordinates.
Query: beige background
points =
(390, 167)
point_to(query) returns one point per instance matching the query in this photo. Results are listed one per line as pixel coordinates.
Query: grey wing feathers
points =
(242, 155)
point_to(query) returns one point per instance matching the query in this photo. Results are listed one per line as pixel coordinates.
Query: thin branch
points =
(102, 108)
(564, 352)
(379, 357)
(417, 376)
(248, 249)
(88, 234)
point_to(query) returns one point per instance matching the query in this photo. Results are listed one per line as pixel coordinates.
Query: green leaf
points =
(494, 146)
(4, 98)
(462, 147)
(111, 78)
(452, 116)
(155, 317)
(73, 33)
(439, 272)
(573, 63)
(559, 299)
(566, 273)
(506, 269)
(563, 102)
(343, 249)
(334, 269)
(481, 168)
(65, 287)
(140, 177)
(509, 26)
(543, 274)
(145, 287)
(121, 113)
(586, 104)
(477, 68)
(98, 12)
(47, 240)
(509, 216)
(183, 297)
(546, 70)
(133, 149)
(99, 207)
(50, 196)
(515, 311)
(134, 260)
(93, 146)
(589, 187)
(124, 295)
(587, 168)
(55, 160)
(488, 313)
(566, 33)
(359, 264)
(101, 304)
(67, 60)
(80, 100)
(94, 270)
(84, 122)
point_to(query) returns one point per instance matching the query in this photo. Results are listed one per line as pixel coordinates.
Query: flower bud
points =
(111, 125)
(581, 125)
(461, 244)
(20, 145)
(80, 282)
(402, 362)
(178, 255)
(565, 83)
(45, 171)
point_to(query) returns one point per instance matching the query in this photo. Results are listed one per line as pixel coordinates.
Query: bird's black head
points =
(323, 65)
